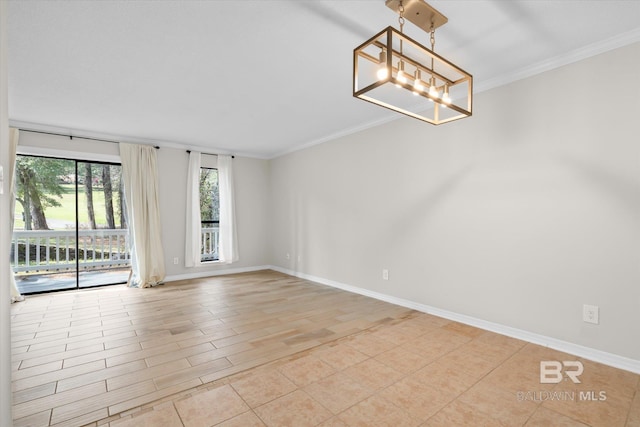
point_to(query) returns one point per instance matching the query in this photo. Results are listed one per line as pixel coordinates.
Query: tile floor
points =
(417, 371)
(81, 356)
(406, 369)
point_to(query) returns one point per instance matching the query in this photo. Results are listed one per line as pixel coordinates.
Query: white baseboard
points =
(599, 356)
(209, 273)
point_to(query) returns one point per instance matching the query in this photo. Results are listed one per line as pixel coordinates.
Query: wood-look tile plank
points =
(35, 420)
(97, 355)
(84, 419)
(58, 374)
(69, 397)
(100, 375)
(41, 359)
(81, 406)
(18, 374)
(179, 354)
(34, 392)
(119, 381)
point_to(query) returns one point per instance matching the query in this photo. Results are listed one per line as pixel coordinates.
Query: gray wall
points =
(518, 215)
(251, 189)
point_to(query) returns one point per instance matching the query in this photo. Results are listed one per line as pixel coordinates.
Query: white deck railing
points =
(46, 251)
(209, 243)
(55, 250)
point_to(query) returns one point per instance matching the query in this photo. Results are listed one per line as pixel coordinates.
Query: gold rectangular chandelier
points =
(396, 72)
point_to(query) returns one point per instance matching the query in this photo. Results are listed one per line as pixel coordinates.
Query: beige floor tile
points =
(393, 337)
(296, 409)
(377, 411)
(333, 422)
(470, 362)
(369, 344)
(494, 339)
(373, 374)
(262, 388)
(633, 418)
(340, 356)
(616, 382)
(435, 344)
(544, 417)
(462, 329)
(493, 352)
(211, 407)
(164, 415)
(450, 381)
(611, 412)
(416, 399)
(402, 360)
(306, 370)
(429, 319)
(459, 414)
(247, 419)
(499, 404)
(519, 373)
(338, 392)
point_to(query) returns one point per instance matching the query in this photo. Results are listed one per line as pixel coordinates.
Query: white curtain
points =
(140, 175)
(14, 134)
(228, 245)
(192, 257)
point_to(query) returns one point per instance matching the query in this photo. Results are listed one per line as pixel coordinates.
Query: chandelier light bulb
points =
(432, 88)
(383, 71)
(417, 83)
(445, 97)
(401, 77)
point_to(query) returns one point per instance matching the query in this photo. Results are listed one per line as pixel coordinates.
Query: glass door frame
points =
(77, 236)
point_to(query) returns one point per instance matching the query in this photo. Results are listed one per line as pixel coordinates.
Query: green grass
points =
(59, 216)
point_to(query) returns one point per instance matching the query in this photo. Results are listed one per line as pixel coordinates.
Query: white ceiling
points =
(264, 77)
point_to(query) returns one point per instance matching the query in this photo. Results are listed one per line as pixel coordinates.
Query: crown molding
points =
(558, 61)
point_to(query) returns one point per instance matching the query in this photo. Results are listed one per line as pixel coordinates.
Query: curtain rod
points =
(211, 154)
(78, 137)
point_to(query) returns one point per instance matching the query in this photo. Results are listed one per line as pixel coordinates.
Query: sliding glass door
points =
(70, 230)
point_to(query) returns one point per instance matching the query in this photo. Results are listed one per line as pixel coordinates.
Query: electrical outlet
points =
(288, 255)
(385, 274)
(591, 314)
(176, 261)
